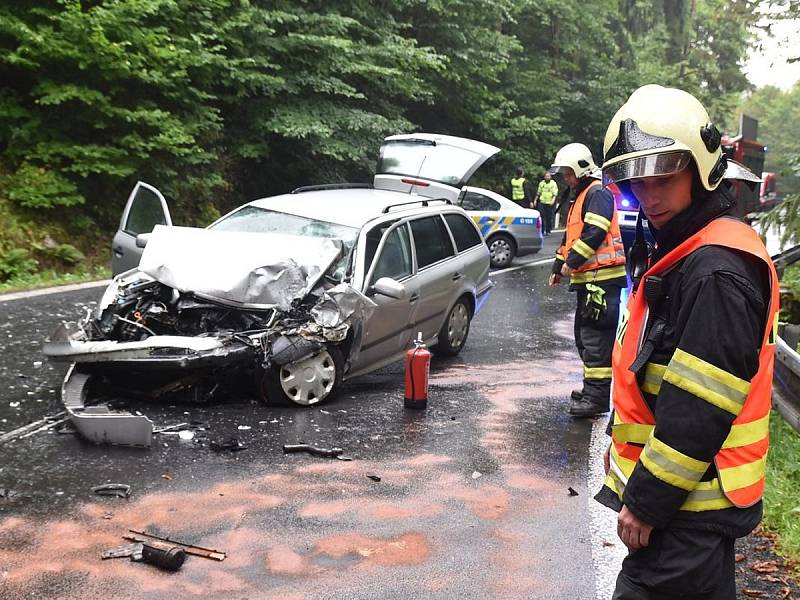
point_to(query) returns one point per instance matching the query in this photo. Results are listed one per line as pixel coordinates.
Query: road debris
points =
(572, 492)
(168, 559)
(374, 477)
(313, 450)
(167, 476)
(185, 434)
(120, 490)
(161, 542)
(477, 474)
(34, 427)
(7, 494)
(230, 445)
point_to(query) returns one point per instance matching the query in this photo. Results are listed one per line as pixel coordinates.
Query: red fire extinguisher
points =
(418, 367)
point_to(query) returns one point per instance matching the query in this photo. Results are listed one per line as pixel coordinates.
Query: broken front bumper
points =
(69, 344)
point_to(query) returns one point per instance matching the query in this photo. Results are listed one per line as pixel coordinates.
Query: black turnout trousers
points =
(685, 564)
(595, 342)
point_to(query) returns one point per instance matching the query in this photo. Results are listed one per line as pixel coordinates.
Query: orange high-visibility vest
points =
(741, 461)
(610, 253)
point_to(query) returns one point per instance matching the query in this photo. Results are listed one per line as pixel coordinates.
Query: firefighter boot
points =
(576, 395)
(584, 407)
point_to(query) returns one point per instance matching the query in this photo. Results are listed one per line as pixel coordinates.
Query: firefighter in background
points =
(692, 361)
(593, 258)
(521, 189)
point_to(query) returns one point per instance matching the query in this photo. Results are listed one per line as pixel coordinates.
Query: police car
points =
(509, 229)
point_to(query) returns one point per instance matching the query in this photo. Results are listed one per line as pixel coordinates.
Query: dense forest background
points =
(218, 102)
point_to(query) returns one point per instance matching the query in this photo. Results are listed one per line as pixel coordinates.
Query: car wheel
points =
(502, 250)
(453, 334)
(304, 382)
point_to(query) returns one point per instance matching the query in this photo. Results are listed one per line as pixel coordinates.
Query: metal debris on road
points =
(161, 542)
(313, 450)
(374, 477)
(166, 558)
(185, 434)
(7, 494)
(476, 474)
(231, 445)
(572, 492)
(244, 427)
(120, 490)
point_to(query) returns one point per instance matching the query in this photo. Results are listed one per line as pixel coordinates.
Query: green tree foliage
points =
(217, 102)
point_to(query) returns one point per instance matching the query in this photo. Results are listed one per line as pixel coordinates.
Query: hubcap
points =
(500, 251)
(457, 325)
(310, 380)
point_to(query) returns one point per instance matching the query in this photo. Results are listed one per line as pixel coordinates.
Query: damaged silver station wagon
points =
(294, 293)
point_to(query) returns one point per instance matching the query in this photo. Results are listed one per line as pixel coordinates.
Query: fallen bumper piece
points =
(100, 424)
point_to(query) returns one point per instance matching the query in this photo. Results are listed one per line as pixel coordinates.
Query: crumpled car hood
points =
(246, 270)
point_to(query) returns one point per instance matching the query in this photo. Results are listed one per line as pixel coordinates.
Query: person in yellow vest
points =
(545, 198)
(593, 258)
(521, 189)
(693, 357)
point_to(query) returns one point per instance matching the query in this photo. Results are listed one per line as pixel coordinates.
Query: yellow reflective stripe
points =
(584, 249)
(742, 476)
(653, 374)
(671, 466)
(773, 334)
(747, 433)
(625, 465)
(740, 435)
(636, 433)
(707, 382)
(707, 495)
(597, 372)
(598, 275)
(614, 484)
(597, 220)
(561, 256)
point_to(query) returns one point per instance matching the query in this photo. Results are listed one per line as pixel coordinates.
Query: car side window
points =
(464, 233)
(395, 257)
(431, 240)
(476, 201)
(146, 212)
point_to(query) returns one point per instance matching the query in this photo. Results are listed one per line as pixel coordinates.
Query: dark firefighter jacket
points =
(715, 305)
(599, 202)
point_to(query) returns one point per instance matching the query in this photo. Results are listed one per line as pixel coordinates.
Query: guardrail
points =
(786, 383)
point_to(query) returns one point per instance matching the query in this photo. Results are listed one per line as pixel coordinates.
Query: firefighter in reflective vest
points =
(521, 189)
(592, 256)
(692, 360)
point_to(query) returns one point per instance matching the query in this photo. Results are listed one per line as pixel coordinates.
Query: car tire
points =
(304, 382)
(455, 330)
(502, 250)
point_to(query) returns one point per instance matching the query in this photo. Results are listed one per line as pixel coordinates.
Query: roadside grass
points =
(51, 278)
(782, 492)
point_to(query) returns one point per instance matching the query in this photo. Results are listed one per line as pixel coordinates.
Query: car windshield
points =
(252, 219)
(446, 164)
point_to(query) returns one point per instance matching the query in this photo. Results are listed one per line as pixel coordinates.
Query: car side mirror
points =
(387, 286)
(142, 239)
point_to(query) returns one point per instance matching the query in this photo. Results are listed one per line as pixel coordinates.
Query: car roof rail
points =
(423, 202)
(332, 186)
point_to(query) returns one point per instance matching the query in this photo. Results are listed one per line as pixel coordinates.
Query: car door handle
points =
(118, 251)
(457, 276)
(414, 298)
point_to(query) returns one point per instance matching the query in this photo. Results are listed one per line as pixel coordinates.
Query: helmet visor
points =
(653, 165)
(560, 170)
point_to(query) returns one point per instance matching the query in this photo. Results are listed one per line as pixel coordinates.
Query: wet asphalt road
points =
(473, 500)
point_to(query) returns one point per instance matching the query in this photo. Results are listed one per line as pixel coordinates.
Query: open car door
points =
(431, 165)
(145, 209)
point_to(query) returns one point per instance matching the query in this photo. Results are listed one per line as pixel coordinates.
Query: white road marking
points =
(53, 290)
(607, 549)
(522, 266)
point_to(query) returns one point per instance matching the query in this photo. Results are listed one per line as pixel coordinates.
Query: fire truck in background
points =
(746, 150)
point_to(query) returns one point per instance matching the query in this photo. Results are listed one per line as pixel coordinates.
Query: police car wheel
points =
(453, 334)
(304, 382)
(501, 250)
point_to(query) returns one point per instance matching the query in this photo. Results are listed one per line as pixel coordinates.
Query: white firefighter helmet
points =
(658, 131)
(576, 157)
